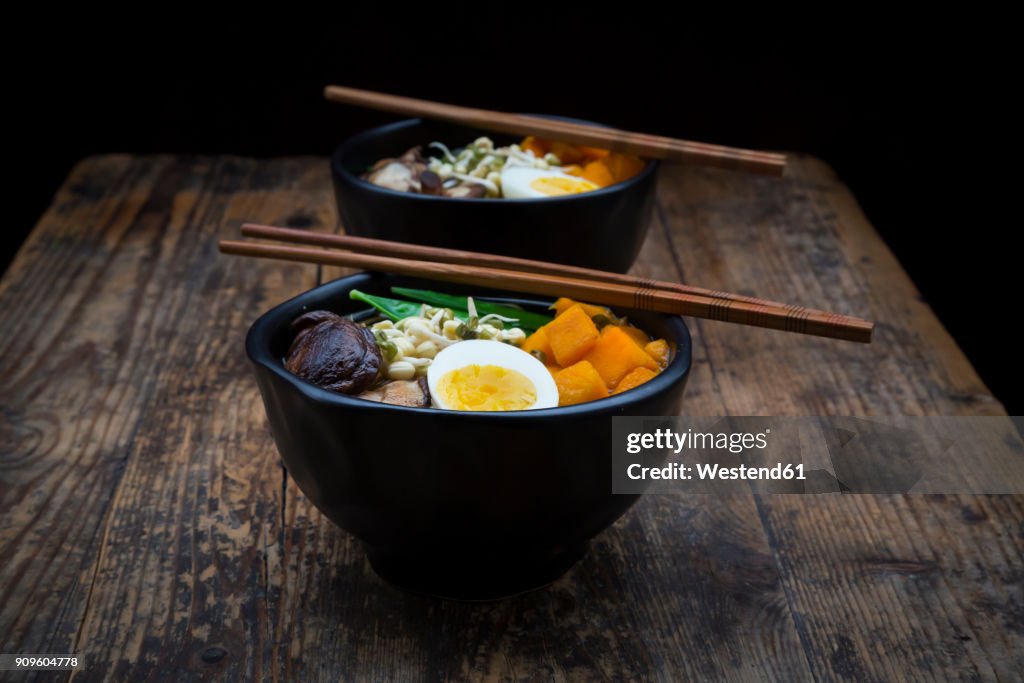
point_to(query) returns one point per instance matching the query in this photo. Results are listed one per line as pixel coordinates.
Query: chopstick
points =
(613, 294)
(641, 144)
(421, 252)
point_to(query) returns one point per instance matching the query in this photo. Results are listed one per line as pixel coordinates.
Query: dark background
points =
(909, 115)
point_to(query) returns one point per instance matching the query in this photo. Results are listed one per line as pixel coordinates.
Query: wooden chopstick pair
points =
(548, 279)
(641, 144)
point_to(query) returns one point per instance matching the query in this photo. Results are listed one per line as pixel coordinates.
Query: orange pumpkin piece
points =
(538, 341)
(615, 355)
(537, 146)
(598, 173)
(564, 304)
(637, 335)
(622, 166)
(573, 169)
(634, 379)
(659, 351)
(571, 335)
(591, 153)
(579, 383)
(566, 153)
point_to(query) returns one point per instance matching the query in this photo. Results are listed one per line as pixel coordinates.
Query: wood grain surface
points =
(146, 522)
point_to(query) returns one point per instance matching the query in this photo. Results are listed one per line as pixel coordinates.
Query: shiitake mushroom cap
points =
(334, 353)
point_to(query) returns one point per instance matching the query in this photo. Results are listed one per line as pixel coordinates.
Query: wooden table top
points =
(146, 522)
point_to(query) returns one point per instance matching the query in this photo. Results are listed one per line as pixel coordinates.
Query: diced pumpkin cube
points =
(659, 351)
(566, 153)
(593, 152)
(579, 383)
(615, 355)
(561, 305)
(599, 174)
(571, 335)
(622, 166)
(635, 378)
(536, 145)
(637, 335)
(564, 304)
(538, 341)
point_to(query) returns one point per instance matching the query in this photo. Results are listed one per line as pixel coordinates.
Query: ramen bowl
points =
(465, 505)
(602, 229)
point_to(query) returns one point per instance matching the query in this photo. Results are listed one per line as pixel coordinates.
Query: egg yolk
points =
(554, 185)
(486, 387)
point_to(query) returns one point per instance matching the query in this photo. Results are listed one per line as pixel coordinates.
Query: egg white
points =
(500, 354)
(516, 181)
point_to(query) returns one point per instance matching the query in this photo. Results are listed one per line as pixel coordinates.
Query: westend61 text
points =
(706, 472)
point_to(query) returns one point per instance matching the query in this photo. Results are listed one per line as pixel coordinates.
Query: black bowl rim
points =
(257, 347)
(345, 147)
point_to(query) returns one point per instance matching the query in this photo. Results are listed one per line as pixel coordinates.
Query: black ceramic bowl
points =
(458, 504)
(603, 229)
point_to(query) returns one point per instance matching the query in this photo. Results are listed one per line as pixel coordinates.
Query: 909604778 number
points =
(11, 662)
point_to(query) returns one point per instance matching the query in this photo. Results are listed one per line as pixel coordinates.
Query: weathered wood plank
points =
(892, 587)
(73, 379)
(883, 587)
(804, 239)
(182, 588)
(121, 293)
(147, 523)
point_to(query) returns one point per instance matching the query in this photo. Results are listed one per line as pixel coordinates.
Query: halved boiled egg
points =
(487, 375)
(523, 182)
